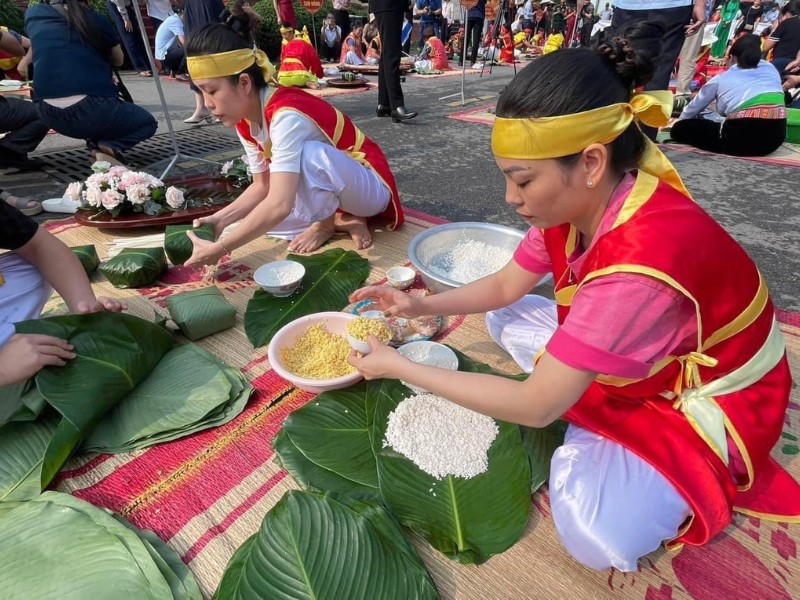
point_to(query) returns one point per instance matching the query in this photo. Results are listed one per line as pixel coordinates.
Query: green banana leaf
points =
(114, 353)
(188, 391)
(330, 278)
(88, 257)
(321, 547)
(202, 312)
(540, 444)
(178, 245)
(56, 546)
(135, 267)
(341, 419)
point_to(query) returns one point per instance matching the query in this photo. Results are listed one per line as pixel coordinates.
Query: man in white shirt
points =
(169, 44)
(606, 14)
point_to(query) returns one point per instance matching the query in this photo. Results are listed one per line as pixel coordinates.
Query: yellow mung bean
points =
(362, 327)
(318, 354)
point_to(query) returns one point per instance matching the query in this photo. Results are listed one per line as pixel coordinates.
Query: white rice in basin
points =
(470, 260)
(441, 437)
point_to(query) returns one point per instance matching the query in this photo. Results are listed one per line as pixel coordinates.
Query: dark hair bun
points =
(633, 67)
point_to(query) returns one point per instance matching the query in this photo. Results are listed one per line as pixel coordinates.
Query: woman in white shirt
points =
(749, 116)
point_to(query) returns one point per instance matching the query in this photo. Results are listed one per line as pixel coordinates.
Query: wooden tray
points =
(344, 83)
(198, 186)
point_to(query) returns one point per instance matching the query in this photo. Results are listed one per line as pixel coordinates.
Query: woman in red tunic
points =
(314, 172)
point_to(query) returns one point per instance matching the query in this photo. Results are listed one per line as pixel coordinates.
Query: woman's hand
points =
(24, 355)
(391, 301)
(215, 220)
(381, 363)
(205, 252)
(99, 304)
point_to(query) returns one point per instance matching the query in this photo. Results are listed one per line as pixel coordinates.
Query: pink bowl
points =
(335, 322)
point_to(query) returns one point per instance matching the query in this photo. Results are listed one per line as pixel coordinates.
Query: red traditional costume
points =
(8, 63)
(437, 54)
(507, 46)
(356, 48)
(341, 132)
(299, 63)
(661, 233)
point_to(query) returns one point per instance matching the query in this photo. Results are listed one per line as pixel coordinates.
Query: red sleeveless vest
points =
(663, 234)
(342, 133)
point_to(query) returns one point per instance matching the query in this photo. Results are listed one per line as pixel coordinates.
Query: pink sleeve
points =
(622, 324)
(531, 253)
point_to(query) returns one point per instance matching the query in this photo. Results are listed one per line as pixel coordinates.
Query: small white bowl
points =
(401, 278)
(280, 278)
(428, 353)
(358, 345)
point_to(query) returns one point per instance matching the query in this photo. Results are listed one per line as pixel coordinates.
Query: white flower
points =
(227, 167)
(94, 195)
(137, 193)
(101, 166)
(117, 171)
(74, 190)
(175, 197)
(112, 199)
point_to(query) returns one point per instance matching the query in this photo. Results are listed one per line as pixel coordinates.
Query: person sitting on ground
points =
(319, 174)
(300, 66)
(75, 94)
(506, 46)
(434, 54)
(21, 123)
(331, 38)
(664, 353)
(352, 53)
(37, 262)
(455, 45)
(785, 41)
(373, 40)
(750, 116)
(170, 39)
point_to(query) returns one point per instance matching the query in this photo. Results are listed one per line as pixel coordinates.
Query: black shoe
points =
(402, 114)
(383, 111)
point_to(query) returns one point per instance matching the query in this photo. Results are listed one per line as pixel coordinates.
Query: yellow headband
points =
(555, 137)
(286, 30)
(224, 64)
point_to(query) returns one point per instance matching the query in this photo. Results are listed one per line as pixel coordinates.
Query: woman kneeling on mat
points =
(661, 350)
(750, 116)
(314, 172)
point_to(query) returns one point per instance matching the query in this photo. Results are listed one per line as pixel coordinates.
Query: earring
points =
(589, 183)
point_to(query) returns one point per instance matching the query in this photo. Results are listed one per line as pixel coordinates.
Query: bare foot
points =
(356, 227)
(312, 85)
(313, 237)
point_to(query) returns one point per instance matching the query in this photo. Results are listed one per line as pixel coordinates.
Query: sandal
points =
(145, 73)
(26, 206)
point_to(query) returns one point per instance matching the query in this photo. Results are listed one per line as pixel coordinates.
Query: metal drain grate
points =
(212, 143)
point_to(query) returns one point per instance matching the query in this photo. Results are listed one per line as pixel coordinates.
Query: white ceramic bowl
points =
(428, 353)
(280, 278)
(401, 277)
(335, 322)
(357, 345)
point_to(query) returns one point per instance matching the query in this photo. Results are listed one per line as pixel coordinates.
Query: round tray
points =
(195, 186)
(343, 83)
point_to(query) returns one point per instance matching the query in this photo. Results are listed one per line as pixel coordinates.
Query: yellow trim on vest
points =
(768, 516)
(643, 189)
(360, 137)
(337, 132)
(614, 381)
(572, 241)
(745, 319)
(565, 295)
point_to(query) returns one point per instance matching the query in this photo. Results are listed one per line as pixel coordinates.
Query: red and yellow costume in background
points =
(507, 46)
(341, 132)
(356, 48)
(299, 64)
(437, 54)
(455, 45)
(8, 63)
(691, 412)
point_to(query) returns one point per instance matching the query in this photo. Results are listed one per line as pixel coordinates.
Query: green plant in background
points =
(268, 38)
(11, 16)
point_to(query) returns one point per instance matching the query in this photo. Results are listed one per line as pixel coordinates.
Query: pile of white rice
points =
(441, 437)
(469, 260)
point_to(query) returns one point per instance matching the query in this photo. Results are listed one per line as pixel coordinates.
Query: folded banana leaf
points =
(331, 277)
(188, 391)
(135, 267)
(115, 352)
(57, 546)
(202, 312)
(88, 257)
(178, 245)
(321, 546)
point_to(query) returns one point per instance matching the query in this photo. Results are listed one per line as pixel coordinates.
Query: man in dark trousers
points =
(389, 14)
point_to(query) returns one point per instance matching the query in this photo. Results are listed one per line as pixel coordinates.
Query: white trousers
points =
(23, 294)
(329, 180)
(351, 58)
(609, 506)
